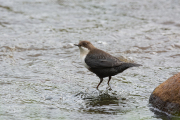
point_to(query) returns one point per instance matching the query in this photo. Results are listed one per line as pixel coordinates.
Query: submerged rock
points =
(166, 97)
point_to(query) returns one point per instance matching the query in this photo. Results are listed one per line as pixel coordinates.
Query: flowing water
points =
(42, 76)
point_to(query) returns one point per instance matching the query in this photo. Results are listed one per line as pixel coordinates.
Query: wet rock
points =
(166, 97)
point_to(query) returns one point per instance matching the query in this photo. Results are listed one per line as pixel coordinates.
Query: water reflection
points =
(163, 115)
(103, 102)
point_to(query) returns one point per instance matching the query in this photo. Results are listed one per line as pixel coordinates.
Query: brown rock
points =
(166, 96)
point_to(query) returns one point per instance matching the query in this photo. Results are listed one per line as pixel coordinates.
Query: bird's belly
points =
(104, 72)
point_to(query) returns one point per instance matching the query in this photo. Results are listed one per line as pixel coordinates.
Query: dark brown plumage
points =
(100, 62)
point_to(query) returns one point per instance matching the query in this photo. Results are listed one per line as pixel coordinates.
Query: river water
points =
(42, 76)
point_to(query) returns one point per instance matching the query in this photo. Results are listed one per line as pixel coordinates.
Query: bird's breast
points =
(83, 57)
(83, 53)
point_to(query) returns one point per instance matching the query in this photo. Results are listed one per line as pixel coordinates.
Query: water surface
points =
(42, 76)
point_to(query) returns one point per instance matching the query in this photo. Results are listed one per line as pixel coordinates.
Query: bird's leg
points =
(101, 79)
(108, 83)
(109, 80)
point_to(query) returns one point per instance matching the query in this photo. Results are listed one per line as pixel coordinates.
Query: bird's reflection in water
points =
(102, 102)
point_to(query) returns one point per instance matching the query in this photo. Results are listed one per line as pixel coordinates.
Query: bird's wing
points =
(100, 59)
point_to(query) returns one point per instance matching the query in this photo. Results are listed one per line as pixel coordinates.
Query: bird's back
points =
(97, 58)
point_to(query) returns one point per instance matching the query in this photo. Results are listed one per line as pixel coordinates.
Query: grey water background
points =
(42, 76)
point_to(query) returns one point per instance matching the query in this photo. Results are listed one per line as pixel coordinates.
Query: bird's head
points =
(86, 45)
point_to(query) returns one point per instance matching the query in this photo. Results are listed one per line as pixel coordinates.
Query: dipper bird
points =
(100, 62)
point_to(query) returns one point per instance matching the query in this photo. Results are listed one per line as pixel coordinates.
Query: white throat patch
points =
(83, 53)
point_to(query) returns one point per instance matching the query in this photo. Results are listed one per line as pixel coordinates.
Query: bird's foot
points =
(99, 91)
(109, 88)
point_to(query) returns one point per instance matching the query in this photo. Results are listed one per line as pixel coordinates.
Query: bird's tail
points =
(125, 66)
(132, 64)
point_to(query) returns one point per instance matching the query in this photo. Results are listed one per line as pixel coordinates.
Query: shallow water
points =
(41, 74)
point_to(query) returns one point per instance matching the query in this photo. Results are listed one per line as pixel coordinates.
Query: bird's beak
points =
(76, 45)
